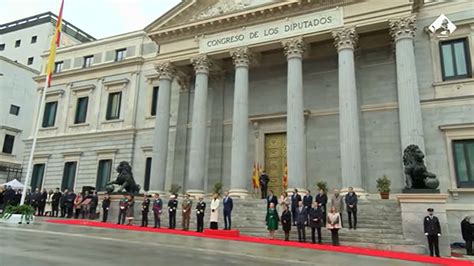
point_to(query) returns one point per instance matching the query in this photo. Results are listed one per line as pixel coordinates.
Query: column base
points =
(195, 193)
(239, 193)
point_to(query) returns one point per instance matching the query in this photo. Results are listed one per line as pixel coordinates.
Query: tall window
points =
(37, 176)
(49, 116)
(69, 176)
(81, 110)
(58, 67)
(30, 60)
(14, 110)
(455, 59)
(2, 46)
(88, 61)
(103, 174)
(154, 100)
(120, 54)
(17, 43)
(34, 39)
(113, 106)
(146, 185)
(8, 144)
(464, 162)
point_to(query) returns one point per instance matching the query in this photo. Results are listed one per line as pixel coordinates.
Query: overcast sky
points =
(99, 18)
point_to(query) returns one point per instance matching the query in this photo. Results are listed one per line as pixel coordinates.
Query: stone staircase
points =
(379, 224)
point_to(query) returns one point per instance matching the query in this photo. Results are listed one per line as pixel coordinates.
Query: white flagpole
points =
(35, 136)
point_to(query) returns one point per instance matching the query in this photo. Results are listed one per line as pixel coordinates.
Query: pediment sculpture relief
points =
(229, 6)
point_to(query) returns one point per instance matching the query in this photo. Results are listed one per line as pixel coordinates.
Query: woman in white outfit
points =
(214, 211)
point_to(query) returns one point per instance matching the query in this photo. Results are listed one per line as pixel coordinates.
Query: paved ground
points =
(46, 244)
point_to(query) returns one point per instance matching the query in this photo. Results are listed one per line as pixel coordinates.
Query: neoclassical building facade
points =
(335, 90)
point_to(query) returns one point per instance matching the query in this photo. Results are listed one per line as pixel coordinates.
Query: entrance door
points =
(275, 160)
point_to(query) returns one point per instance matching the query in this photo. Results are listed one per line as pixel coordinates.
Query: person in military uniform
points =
(123, 207)
(263, 180)
(186, 212)
(316, 217)
(432, 231)
(200, 209)
(105, 207)
(55, 203)
(286, 221)
(172, 207)
(157, 207)
(145, 210)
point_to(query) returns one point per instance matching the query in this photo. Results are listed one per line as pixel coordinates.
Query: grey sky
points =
(99, 18)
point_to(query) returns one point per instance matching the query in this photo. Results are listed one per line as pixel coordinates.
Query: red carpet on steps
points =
(251, 239)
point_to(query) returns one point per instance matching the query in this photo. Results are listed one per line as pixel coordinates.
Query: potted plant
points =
(175, 188)
(383, 185)
(323, 186)
(217, 188)
(18, 214)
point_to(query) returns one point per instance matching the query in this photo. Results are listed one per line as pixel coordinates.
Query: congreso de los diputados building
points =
(335, 90)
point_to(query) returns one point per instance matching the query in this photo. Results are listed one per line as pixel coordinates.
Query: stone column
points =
(409, 108)
(197, 156)
(239, 170)
(166, 72)
(349, 136)
(296, 136)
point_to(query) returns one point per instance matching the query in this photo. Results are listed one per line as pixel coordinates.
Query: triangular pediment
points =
(191, 11)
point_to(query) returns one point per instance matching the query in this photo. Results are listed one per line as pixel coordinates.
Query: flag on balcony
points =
(54, 44)
(255, 176)
(285, 177)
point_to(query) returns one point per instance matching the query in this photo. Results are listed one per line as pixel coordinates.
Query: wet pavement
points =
(45, 244)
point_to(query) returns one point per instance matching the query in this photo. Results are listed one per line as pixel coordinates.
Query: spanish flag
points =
(54, 44)
(255, 177)
(285, 177)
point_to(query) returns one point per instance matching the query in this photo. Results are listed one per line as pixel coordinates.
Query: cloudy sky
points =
(99, 18)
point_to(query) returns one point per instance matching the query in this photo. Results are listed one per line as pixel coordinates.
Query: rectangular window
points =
(146, 185)
(455, 61)
(464, 162)
(81, 110)
(8, 144)
(49, 115)
(88, 61)
(37, 177)
(113, 106)
(34, 39)
(120, 54)
(14, 110)
(69, 176)
(2, 46)
(30, 60)
(17, 43)
(103, 174)
(154, 100)
(58, 67)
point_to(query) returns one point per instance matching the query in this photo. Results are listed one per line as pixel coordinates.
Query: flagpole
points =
(35, 136)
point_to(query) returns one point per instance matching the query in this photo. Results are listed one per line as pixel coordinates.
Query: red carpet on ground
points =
(251, 239)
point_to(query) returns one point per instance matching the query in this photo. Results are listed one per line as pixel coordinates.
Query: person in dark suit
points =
(172, 208)
(55, 203)
(228, 206)
(263, 180)
(307, 201)
(432, 231)
(42, 202)
(200, 210)
(316, 217)
(271, 199)
(351, 204)
(105, 207)
(322, 200)
(467, 234)
(301, 221)
(62, 203)
(94, 203)
(157, 207)
(71, 196)
(145, 210)
(286, 221)
(295, 198)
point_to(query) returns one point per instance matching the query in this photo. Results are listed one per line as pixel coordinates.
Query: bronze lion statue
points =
(417, 177)
(124, 180)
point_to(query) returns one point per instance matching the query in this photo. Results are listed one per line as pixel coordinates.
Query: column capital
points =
(201, 64)
(345, 38)
(294, 47)
(166, 70)
(404, 27)
(241, 56)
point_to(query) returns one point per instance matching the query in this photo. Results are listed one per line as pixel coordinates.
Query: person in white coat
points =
(214, 211)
